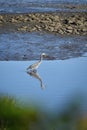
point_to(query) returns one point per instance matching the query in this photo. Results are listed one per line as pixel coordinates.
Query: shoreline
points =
(67, 23)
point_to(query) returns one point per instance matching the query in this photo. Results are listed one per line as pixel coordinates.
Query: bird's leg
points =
(34, 70)
(28, 68)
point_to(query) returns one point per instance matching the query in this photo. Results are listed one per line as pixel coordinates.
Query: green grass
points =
(16, 116)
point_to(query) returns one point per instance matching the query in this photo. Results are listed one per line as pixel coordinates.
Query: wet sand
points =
(29, 46)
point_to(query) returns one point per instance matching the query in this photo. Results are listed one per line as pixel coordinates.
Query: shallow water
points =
(28, 46)
(26, 6)
(55, 85)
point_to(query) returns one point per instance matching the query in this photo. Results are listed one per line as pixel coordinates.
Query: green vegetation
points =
(14, 116)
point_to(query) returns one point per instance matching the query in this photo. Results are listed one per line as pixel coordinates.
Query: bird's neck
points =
(41, 57)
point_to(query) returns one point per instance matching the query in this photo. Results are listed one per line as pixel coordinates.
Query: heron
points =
(34, 66)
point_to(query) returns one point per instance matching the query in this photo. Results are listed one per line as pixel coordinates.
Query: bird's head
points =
(43, 54)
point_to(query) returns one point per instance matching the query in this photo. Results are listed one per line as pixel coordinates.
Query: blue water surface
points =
(25, 6)
(42, 1)
(56, 85)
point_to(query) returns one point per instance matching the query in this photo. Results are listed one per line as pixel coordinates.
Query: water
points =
(26, 6)
(55, 85)
(58, 82)
(43, 1)
(28, 46)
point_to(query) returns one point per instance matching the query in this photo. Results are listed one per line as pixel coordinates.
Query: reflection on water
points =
(37, 76)
(65, 80)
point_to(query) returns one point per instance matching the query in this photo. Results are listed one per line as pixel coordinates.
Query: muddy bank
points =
(58, 23)
(29, 46)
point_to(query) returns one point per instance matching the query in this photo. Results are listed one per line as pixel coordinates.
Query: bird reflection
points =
(37, 76)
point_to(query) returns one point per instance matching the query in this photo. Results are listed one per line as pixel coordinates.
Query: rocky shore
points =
(58, 23)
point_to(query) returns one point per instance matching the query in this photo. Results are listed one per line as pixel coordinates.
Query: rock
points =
(23, 28)
(26, 19)
(53, 22)
(65, 21)
(38, 28)
(14, 20)
(76, 31)
(84, 29)
(56, 18)
(1, 19)
(79, 22)
(69, 30)
(33, 29)
(72, 22)
(85, 24)
(60, 31)
(50, 28)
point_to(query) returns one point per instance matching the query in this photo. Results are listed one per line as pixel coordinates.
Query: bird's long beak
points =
(45, 55)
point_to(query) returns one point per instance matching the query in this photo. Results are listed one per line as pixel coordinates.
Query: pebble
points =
(72, 24)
